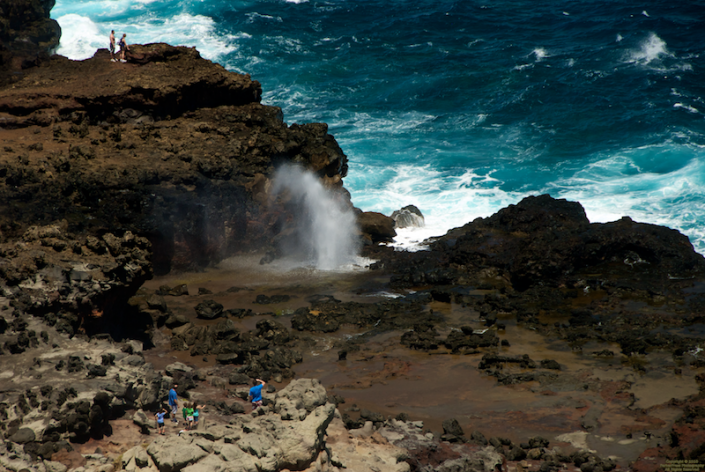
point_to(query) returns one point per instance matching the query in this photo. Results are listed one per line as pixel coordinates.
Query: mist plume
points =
(325, 230)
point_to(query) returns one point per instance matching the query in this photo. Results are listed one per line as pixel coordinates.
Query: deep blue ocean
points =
(464, 107)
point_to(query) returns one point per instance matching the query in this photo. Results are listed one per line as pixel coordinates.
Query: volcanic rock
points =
(209, 310)
(170, 147)
(27, 35)
(409, 216)
(376, 226)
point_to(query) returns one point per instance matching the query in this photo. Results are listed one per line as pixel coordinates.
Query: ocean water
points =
(464, 107)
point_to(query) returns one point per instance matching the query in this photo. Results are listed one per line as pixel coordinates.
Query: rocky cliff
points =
(162, 163)
(27, 35)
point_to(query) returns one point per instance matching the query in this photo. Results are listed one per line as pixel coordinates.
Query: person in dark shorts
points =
(160, 420)
(112, 46)
(123, 47)
(174, 403)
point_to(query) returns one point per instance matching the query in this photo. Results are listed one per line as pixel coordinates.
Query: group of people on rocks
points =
(190, 410)
(123, 47)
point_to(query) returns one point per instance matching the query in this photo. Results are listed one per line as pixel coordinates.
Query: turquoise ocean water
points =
(464, 107)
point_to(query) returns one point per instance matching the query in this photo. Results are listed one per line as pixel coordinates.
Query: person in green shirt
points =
(188, 414)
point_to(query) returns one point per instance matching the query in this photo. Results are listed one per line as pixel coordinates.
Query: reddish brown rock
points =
(71, 459)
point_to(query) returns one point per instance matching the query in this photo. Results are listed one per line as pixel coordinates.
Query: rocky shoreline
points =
(135, 216)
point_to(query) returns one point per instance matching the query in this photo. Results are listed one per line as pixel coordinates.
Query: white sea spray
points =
(326, 231)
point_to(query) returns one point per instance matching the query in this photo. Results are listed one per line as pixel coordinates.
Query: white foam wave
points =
(362, 125)
(446, 201)
(254, 16)
(663, 185)
(80, 37)
(540, 54)
(83, 34)
(691, 109)
(651, 49)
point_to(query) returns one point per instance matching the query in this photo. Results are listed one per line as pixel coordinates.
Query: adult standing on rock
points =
(112, 46)
(123, 47)
(174, 403)
(256, 394)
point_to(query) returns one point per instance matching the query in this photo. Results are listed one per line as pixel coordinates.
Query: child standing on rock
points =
(188, 414)
(196, 413)
(256, 394)
(160, 420)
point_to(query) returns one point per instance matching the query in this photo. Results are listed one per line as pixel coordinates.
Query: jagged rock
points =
(178, 369)
(209, 310)
(157, 302)
(376, 226)
(409, 216)
(23, 436)
(145, 423)
(300, 398)
(174, 321)
(239, 379)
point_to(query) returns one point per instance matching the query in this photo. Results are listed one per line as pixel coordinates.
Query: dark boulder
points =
(376, 226)
(469, 340)
(516, 454)
(174, 321)
(373, 416)
(273, 331)
(23, 436)
(550, 364)
(224, 330)
(304, 320)
(229, 359)
(95, 370)
(75, 364)
(239, 379)
(478, 438)
(209, 310)
(409, 216)
(452, 432)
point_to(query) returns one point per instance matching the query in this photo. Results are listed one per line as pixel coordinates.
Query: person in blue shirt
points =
(160, 420)
(256, 394)
(173, 403)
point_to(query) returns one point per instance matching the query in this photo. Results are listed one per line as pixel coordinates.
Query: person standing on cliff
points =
(256, 394)
(123, 47)
(174, 403)
(112, 46)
